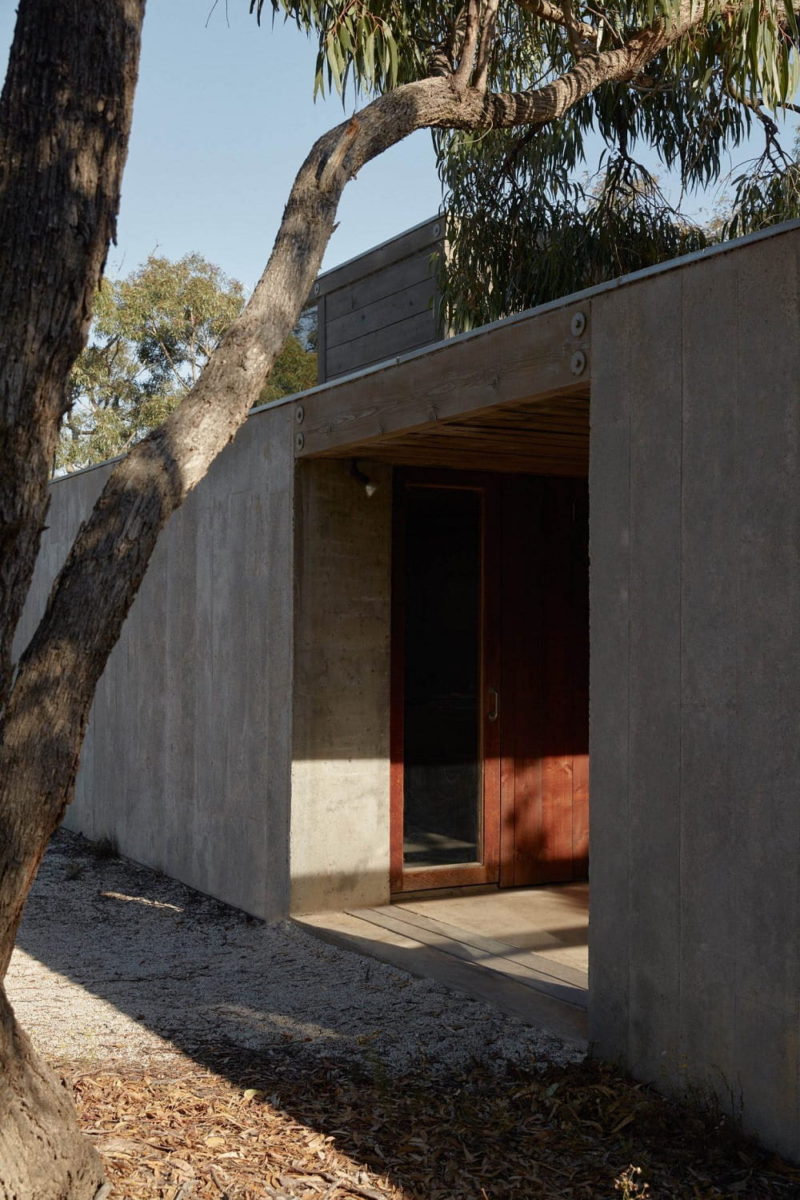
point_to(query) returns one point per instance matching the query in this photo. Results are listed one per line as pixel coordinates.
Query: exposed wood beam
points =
(542, 355)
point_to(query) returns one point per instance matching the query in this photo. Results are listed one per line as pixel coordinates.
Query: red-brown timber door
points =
(545, 680)
(489, 680)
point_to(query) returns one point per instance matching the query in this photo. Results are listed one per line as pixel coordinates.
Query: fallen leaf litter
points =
(329, 1133)
(212, 1058)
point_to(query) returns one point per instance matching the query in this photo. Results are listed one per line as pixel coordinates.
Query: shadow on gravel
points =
(515, 1134)
(191, 970)
(414, 1086)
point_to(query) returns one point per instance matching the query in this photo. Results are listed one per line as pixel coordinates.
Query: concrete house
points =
(379, 646)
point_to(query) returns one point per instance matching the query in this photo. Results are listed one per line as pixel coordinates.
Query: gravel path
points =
(115, 961)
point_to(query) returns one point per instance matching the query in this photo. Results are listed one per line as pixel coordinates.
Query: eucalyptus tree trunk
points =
(43, 1154)
(65, 116)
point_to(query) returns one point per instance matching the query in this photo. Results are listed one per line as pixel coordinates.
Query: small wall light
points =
(369, 485)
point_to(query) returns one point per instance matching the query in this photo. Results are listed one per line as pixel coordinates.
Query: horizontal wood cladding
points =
(379, 305)
(372, 318)
(415, 330)
(421, 237)
(513, 397)
(371, 289)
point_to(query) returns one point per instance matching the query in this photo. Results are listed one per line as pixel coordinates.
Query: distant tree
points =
(766, 193)
(525, 250)
(152, 334)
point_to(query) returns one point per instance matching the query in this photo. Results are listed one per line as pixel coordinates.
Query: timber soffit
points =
(545, 356)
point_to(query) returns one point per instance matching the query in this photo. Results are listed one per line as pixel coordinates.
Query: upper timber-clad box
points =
(379, 304)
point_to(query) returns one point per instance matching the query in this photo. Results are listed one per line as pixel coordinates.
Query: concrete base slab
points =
(525, 985)
(551, 921)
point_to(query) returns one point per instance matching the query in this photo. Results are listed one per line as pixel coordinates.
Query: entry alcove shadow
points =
(489, 680)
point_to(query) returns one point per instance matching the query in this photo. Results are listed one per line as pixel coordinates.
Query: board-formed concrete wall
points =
(187, 761)
(695, 688)
(340, 776)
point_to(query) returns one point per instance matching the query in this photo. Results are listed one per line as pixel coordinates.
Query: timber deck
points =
(546, 987)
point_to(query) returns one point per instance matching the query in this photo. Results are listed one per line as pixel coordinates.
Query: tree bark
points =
(65, 116)
(43, 1155)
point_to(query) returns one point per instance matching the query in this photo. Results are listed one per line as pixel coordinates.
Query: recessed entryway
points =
(489, 680)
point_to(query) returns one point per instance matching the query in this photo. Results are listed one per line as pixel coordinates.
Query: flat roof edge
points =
(106, 462)
(599, 289)
(674, 264)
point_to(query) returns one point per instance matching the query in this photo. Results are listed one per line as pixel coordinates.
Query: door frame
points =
(402, 878)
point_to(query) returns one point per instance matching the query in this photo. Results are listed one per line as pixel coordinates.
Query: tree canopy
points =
(537, 210)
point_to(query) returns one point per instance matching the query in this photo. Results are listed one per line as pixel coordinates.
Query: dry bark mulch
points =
(246, 1126)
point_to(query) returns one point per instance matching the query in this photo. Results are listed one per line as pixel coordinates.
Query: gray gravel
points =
(115, 961)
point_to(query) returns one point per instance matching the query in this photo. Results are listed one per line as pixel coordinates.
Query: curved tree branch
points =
(469, 46)
(488, 35)
(547, 11)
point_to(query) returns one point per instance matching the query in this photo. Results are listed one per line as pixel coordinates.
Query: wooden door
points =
(545, 680)
(490, 680)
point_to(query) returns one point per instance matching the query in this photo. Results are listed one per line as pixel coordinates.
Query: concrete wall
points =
(340, 777)
(695, 709)
(187, 760)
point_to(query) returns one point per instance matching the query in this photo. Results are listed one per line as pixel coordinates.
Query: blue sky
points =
(224, 116)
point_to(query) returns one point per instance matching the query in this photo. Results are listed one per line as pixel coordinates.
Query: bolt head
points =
(300, 441)
(577, 364)
(299, 414)
(577, 324)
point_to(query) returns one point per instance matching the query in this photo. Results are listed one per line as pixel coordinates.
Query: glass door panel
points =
(442, 755)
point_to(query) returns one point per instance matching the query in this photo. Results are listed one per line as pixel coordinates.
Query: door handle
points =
(494, 705)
